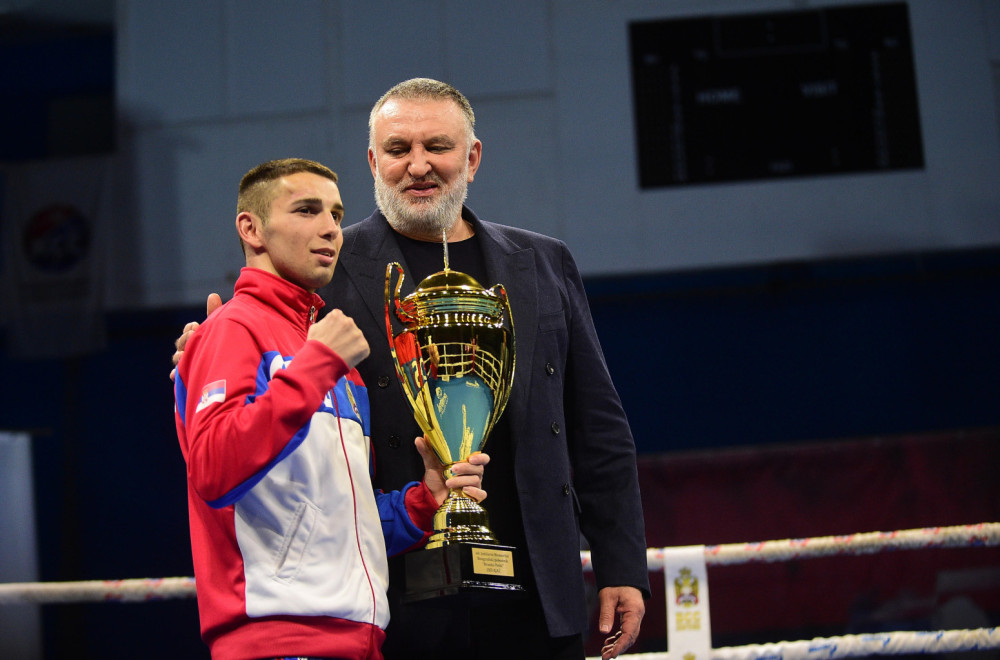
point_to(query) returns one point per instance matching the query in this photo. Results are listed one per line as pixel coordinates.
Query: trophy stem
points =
(460, 519)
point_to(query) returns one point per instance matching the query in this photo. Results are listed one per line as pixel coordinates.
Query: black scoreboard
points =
(769, 95)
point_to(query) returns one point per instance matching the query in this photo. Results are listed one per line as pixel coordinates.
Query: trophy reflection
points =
(455, 362)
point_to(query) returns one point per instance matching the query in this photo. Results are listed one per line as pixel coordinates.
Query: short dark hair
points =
(256, 190)
(256, 186)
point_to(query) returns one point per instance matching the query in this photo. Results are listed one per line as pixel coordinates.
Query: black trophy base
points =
(466, 574)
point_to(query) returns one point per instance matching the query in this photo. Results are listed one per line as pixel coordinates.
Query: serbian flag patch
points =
(214, 392)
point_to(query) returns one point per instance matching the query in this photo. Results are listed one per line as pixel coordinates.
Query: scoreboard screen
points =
(771, 95)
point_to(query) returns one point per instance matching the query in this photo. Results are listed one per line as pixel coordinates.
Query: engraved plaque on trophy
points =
(455, 362)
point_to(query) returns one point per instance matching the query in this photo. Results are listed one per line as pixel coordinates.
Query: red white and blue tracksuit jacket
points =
(289, 539)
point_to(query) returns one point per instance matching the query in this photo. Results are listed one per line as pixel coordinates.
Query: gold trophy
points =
(455, 362)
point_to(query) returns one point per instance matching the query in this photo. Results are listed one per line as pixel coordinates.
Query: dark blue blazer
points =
(573, 451)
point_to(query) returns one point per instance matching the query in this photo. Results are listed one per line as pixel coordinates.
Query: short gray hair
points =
(424, 89)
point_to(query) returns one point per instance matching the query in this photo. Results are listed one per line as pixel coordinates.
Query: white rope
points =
(855, 646)
(982, 534)
(97, 590)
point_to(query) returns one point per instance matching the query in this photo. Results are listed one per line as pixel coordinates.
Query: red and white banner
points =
(52, 241)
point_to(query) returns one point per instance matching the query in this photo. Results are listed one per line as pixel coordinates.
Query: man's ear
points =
(248, 226)
(475, 157)
(372, 164)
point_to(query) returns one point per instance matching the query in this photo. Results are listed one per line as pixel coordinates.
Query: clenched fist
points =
(339, 332)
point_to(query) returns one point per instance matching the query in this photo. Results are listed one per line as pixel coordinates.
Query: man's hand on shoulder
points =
(213, 303)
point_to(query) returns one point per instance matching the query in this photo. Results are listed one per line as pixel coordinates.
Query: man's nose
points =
(331, 227)
(419, 166)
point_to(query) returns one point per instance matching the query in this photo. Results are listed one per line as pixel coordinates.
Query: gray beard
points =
(421, 218)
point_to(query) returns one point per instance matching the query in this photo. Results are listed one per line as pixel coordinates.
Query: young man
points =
(289, 539)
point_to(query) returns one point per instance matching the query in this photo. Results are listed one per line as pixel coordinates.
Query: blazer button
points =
(565, 489)
(394, 441)
(555, 428)
(549, 369)
(383, 381)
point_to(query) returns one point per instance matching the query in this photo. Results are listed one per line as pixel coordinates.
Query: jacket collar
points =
(287, 298)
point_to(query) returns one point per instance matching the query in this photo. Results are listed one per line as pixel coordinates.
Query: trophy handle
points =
(400, 314)
(392, 296)
(504, 394)
(413, 389)
(501, 293)
(389, 297)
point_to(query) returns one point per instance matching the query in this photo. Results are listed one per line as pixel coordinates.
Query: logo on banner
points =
(686, 588)
(56, 238)
(686, 596)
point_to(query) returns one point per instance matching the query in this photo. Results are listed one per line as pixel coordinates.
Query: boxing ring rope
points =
(847, 646)
(87, 591)
(959, 536)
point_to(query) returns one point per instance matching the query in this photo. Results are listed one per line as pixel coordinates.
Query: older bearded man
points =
(564, 415)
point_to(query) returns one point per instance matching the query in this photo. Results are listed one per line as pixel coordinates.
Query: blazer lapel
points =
(372, 248)
(514, 267)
